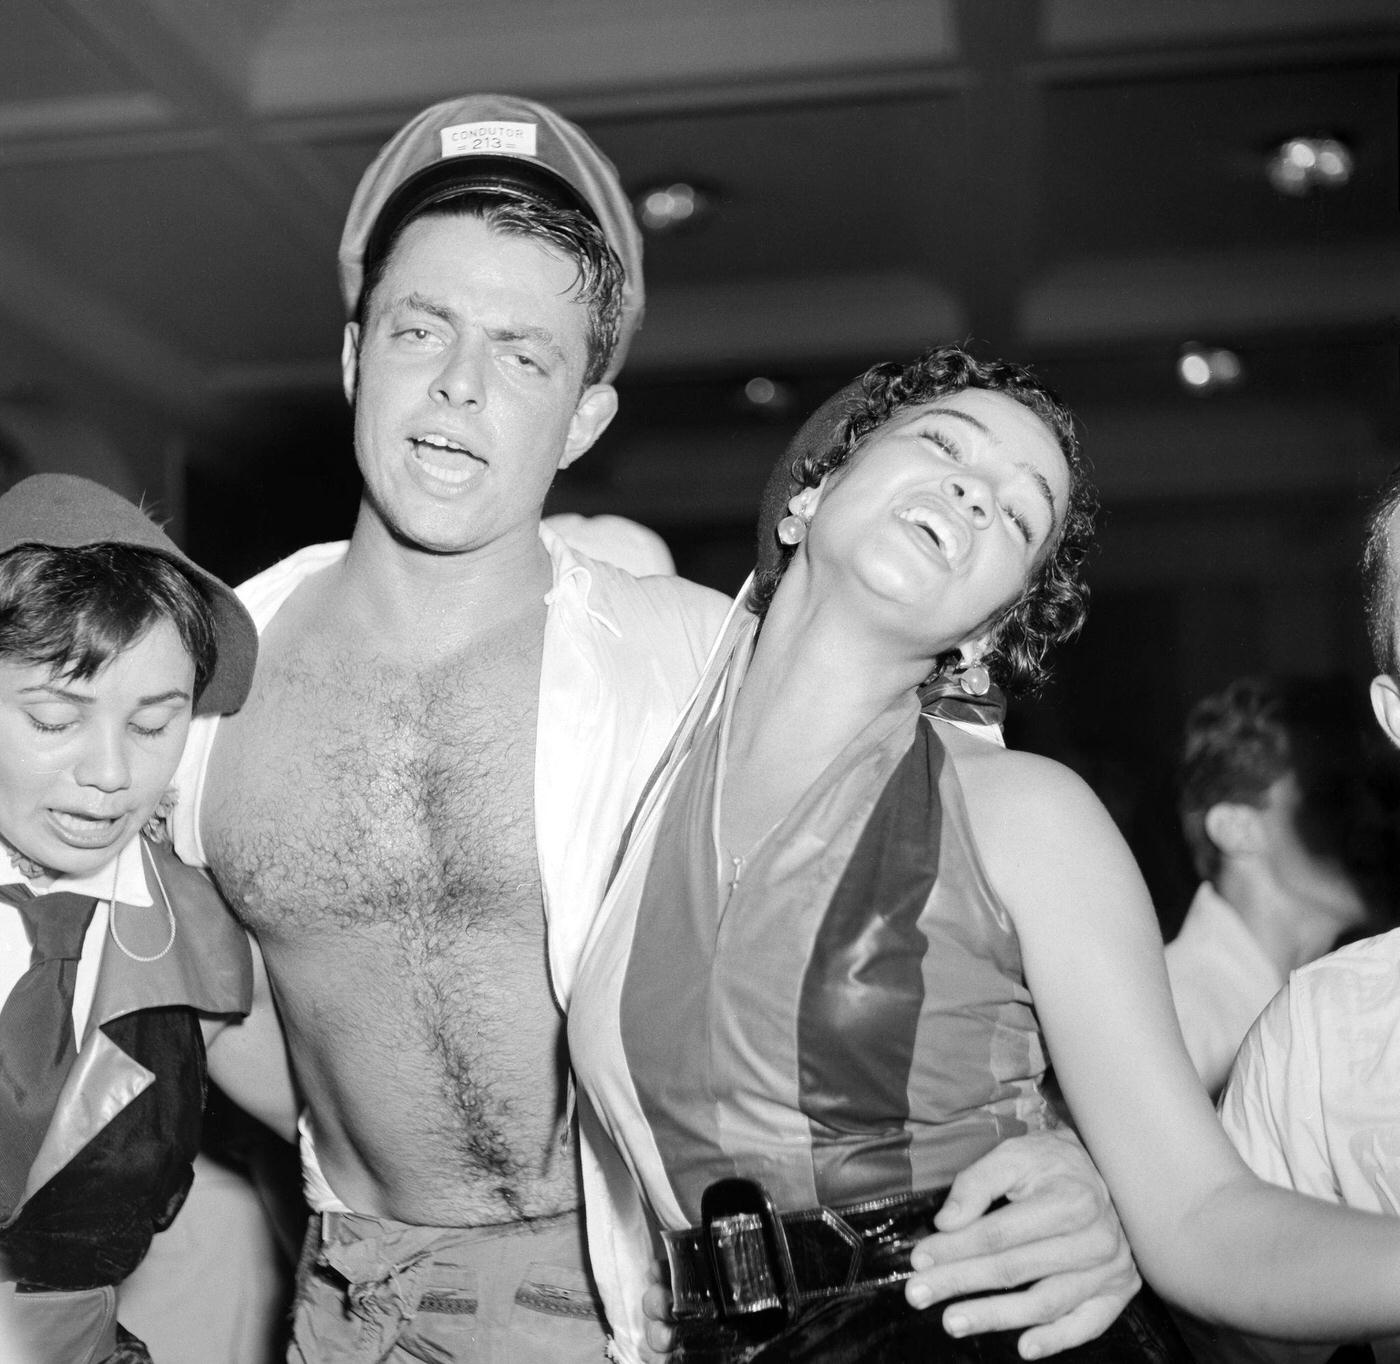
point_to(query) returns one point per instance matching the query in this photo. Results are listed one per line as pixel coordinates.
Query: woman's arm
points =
(1205, 1231)
(248, 1058)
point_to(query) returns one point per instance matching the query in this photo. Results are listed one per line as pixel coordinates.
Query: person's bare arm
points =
(248, 1058)
(1207, 1233)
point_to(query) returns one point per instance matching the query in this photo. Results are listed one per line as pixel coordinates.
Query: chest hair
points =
(354, 791)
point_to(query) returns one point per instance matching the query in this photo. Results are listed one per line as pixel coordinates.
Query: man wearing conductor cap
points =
(451, 718)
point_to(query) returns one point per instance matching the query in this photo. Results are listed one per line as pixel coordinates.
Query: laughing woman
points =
(844, 933)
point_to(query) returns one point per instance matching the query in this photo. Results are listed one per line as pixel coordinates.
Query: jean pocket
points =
(557, 1303)
(457, 1301)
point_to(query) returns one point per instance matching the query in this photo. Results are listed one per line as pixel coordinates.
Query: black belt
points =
(746, 1259)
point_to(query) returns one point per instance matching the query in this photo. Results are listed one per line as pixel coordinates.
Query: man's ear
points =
(1237, 830)
(1385, 701)
(596, 408)
(350, 361)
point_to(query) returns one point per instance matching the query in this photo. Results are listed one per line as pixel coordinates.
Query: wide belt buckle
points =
(747, 1252)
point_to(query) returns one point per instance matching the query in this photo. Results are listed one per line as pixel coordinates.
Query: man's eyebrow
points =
(541, 336)
(1039, 478)
(421, 303)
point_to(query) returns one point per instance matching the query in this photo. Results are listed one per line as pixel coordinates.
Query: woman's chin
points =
(60, 857)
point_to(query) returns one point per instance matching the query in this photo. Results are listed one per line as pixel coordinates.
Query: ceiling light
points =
(1207, 369)
(769, 397)
(1304, 164)
(664, 208)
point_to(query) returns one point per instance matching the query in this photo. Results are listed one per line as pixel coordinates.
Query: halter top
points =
(841, 1015)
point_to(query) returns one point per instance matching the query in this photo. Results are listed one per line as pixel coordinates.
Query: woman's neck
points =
(815, 681)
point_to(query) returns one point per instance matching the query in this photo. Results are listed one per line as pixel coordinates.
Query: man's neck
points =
(431, 603)
(1290, 933)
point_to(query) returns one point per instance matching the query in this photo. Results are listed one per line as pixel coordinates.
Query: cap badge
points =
(487, 139)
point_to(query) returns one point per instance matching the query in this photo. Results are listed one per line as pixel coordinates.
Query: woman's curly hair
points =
(1054, 603)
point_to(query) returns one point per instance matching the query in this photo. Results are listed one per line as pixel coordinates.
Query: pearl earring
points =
(975, 680)
(792, 529)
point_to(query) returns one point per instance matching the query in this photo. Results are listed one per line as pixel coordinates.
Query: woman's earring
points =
(792, 529)
(157, 827)
(975, 680)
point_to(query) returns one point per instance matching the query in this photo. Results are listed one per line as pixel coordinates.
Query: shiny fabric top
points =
(845, 1018)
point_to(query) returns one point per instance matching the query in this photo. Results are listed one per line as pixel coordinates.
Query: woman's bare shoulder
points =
(1006, 770)
(1011, 788)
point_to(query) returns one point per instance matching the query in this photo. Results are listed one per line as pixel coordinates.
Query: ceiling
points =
(1077, 183)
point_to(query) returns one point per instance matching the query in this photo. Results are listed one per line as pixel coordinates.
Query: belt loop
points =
(746, 1249)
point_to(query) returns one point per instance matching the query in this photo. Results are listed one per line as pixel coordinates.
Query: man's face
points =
(467, 384)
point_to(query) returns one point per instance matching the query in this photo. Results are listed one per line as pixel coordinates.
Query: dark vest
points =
(92, 1223)
(107, 1187)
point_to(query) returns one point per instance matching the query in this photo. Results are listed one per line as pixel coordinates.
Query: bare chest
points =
(356, 792)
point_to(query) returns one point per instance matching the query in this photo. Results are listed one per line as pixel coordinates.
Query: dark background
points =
(1075, 184)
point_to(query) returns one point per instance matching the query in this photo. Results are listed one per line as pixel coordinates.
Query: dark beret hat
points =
(63, 511)
(818, 434)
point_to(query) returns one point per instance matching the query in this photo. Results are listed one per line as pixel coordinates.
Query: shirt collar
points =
(573, 580)
(1215, 906)
(129, 886)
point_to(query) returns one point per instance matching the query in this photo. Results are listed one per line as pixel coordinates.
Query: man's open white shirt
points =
(621, 659)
